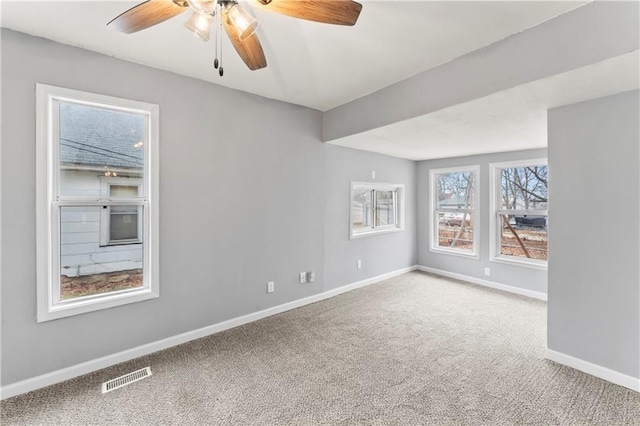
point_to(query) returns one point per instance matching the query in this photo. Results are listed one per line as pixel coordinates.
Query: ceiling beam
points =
(584, 36)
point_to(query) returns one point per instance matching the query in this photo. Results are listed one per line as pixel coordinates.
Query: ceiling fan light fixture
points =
(239, 25)
(203, 6)
(244, 24)
(200, 25)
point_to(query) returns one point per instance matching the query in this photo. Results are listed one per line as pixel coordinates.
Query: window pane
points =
(123, 221)
(524, 236)
(86, 268)
(97, 141)
(524, 188)
(123, 224)
(455, 230)
(456, 190)
(362, 208)
(385, 209)
(123, 191)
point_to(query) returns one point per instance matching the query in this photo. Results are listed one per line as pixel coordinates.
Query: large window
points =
(519, 219)
(454, 203)
(376, 208)
(97, 202)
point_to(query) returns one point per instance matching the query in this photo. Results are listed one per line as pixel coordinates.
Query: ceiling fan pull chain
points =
(220, 70)
(215, 61)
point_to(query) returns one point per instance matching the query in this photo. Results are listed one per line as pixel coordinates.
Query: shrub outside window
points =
(519, 218)
(97, 195)
(376, 208)
(454, 203)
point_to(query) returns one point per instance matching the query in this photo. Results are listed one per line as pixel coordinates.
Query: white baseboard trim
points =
(61, 375)
(612, 376)
(485, 283)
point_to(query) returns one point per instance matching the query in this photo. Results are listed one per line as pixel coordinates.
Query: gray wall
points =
(594, 280)
(378, 253)
(248, 192)
(514, 275)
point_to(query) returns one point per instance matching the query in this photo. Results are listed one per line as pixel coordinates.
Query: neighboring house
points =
(453, 201)
(101, 156)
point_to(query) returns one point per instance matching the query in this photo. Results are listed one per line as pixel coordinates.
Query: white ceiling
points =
(510, 120)
(324, 66)
(315, 65)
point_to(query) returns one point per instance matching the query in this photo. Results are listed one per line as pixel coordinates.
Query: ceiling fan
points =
(239, 25)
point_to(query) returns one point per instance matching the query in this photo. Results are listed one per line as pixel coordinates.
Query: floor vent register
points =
(121, 381)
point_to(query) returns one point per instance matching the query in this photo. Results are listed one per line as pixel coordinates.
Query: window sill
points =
(121, 243)
(451, 252)
(95, 303)
(375, 232)
(520, 262)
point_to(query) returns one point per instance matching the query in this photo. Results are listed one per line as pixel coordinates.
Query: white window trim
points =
(398, 189)
(47, 208)
(105, 214)
(495, 193)
(433, 205)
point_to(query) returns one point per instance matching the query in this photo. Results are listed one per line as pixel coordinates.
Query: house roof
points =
(91, 137)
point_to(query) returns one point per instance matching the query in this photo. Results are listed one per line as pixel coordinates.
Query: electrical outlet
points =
(373, 174)
(270, 287)
(359, 264)
(303, 277)
(311, 276)
(487, 272)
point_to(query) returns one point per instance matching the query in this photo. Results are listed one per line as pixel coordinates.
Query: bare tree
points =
(522, 187)
(460, 187)
(467, 203)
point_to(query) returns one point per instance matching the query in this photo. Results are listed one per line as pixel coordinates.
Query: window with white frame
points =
(97, 206)
(376, 208)
(454, 203)
(519, 219)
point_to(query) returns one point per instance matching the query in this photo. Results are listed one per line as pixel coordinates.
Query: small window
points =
(454, 201)
(97, 202)
(519, 219)
(376, 208)
(121, 224)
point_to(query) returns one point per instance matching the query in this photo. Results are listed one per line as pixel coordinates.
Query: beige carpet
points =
(416, 349)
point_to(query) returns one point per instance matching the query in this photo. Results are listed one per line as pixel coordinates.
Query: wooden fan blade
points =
(249, 49)
(145, 15)
(337, 12)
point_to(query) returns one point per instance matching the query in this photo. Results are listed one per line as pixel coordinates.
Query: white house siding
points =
(81, 253)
